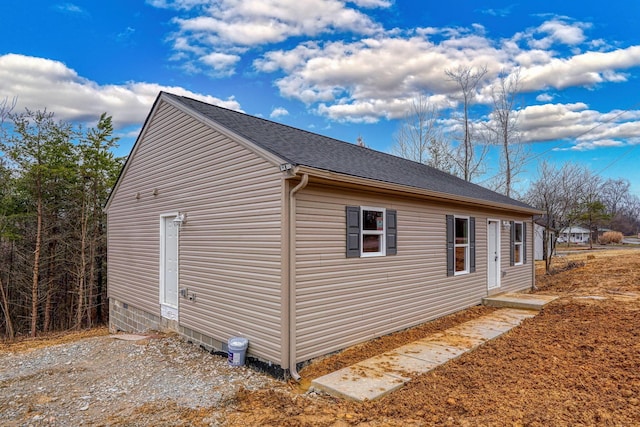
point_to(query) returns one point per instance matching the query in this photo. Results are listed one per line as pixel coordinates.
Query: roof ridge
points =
(263, 119)
(314, 134)
(305, 148)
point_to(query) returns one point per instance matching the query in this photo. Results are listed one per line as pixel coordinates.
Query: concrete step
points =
(518, 300)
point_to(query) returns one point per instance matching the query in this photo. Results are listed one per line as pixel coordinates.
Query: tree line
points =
(54, 180)
(571, 194)
(568, 195)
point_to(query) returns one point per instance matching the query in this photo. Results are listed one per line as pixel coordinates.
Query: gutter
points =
(292, 277)
(420, 192)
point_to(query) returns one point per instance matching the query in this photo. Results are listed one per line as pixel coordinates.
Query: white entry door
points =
(493, 254)
(169, 267)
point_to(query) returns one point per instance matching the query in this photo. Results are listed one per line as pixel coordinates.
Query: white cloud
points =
(370, 75)
(278, 112)
(592, 145)
(558, 31)
(178, 4)
(584, 128)
(586, 69)
(544, 97)
(374, 72)
(506, 11)
(232, 26)
(221, 64)
(40, 83)
(70, 8)
(372, 3)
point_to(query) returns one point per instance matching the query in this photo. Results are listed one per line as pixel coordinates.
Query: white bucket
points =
(237, 350)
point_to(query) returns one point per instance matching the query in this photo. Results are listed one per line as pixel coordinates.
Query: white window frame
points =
(466, 247)
(382, 233)
(520, 243)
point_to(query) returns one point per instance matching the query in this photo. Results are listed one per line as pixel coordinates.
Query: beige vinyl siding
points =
(342, 301)
(517, 277)
(230, 246)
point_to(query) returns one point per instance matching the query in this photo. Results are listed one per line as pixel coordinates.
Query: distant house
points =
(540, 235)
(223, 224)
(574, 235)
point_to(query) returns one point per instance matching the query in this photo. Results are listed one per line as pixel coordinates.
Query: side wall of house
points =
(229, 249)
(343, 301)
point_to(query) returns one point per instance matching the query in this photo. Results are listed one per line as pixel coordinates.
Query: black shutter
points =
(512, 243)
(524, 242)
(353, 231)
(392, 232)
(450, 246)
(472, 245)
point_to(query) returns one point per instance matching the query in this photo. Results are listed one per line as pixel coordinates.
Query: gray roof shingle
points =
(303, 148)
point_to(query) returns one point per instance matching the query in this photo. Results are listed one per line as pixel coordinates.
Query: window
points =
(371, 231)
(461, 245)
(518, 252)
(518, 239)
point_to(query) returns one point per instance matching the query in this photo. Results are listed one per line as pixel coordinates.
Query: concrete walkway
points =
(380, 375)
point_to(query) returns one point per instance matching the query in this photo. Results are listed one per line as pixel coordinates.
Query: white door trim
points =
(493, 260)
(168, 310)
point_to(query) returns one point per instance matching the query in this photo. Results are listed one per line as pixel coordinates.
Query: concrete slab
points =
(514, 314)
(495, 323)
(475, 331)
(380, 375)
(431, 351)
(358, 383)
(519, 300)
(395, 363)
(454, 339)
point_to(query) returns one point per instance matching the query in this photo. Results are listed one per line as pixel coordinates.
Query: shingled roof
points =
(302, 148)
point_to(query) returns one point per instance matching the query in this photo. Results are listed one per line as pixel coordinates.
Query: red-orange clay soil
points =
(576, 363)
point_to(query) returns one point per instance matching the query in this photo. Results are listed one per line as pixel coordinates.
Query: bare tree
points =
(419, 138)
(503, 130)
(556, 193)
(627, 219)
(6, 109)
(5, 180)
(591, 211)
(467, 79)
(613, 194)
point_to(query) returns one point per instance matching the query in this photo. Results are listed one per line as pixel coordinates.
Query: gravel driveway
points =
(107, 381)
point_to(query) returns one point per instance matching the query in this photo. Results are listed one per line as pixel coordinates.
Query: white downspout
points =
(292, 276)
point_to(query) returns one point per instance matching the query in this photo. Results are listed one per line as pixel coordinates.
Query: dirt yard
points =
(576, 363)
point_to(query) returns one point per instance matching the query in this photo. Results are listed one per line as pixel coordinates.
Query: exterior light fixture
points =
(180, 219)
(285, 167)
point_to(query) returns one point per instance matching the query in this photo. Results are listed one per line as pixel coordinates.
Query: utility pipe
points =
(292, 276)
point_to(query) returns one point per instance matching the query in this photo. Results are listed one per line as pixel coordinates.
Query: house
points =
(542, 237)
(574, 235)
(222, 224)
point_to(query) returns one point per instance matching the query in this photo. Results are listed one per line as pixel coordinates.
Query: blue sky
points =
(342, 69)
